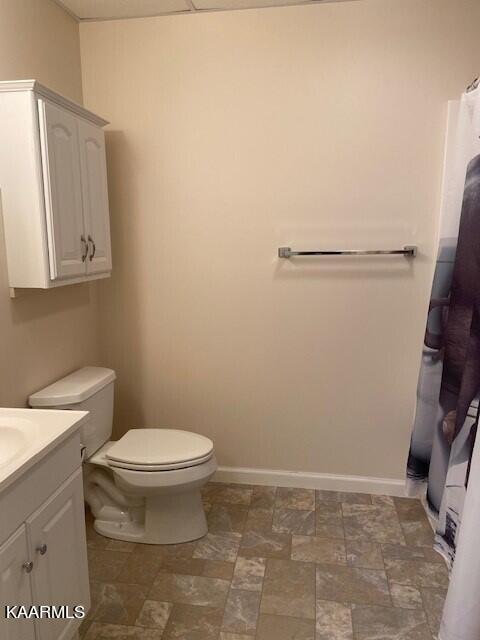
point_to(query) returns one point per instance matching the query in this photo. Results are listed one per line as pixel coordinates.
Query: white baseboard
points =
(308, 480)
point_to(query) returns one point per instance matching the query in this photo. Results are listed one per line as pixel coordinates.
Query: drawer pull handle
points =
(42, 549)
(85, 247)
(27, 566)
(94, 247)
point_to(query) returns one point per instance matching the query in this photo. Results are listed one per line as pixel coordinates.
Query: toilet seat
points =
(159, 450)
(115, 464)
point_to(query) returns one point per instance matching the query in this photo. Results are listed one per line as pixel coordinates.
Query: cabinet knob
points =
(27, 566)
(42, 549)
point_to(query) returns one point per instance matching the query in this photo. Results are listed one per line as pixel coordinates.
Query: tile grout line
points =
(266, 563)
(230, 588)
(315, 577)
(346, 559)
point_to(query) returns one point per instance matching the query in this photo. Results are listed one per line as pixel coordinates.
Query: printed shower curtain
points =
(444, 451)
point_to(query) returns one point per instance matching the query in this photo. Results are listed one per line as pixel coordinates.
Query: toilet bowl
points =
(144, 487)
(162, 501)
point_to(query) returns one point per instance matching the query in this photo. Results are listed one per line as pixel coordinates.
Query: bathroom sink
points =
(12, 442)
(17, 433)
(28, 434)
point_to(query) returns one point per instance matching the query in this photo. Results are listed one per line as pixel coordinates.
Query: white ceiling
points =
(111, 9)
(104, 9)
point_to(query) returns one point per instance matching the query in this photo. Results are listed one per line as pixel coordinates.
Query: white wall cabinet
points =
(63, 191)
(44, 561)
(93, 170)
(53, 182)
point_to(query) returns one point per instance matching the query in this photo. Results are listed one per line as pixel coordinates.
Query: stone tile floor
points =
(276, 564)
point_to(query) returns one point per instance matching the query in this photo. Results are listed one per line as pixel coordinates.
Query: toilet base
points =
(169, 519)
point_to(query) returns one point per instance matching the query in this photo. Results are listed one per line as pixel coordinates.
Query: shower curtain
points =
(444, 451)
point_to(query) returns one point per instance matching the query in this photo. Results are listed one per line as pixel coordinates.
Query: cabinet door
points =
(15, 586)
(95, 196)
(62, 190)
(56, 534)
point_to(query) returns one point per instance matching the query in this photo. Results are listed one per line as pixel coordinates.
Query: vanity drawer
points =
(22, 498)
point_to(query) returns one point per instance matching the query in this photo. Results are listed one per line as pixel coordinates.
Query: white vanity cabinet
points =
(57, 545)
(53, 183)
(44, 560)
(15, 585)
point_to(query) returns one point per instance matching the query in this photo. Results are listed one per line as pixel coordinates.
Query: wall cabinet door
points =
(62, 190)
(15, 586)
(95, 196)
(56, 534)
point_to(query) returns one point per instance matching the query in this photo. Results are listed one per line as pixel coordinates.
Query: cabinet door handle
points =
(94, 248)
(85, 246)
(42, 549)
(27, 566)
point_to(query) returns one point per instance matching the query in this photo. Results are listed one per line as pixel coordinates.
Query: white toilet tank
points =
(88, 389)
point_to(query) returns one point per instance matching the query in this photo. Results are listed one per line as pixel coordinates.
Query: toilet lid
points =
(159, 447)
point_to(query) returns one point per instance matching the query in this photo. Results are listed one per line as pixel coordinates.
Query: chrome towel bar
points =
(409, 251)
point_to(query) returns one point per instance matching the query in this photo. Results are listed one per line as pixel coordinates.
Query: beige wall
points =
(236, 133)
(43, 334)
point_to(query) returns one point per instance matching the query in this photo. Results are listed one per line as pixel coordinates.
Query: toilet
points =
(144, 487)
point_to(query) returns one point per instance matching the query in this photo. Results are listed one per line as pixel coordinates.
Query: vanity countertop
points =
(27, 435)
